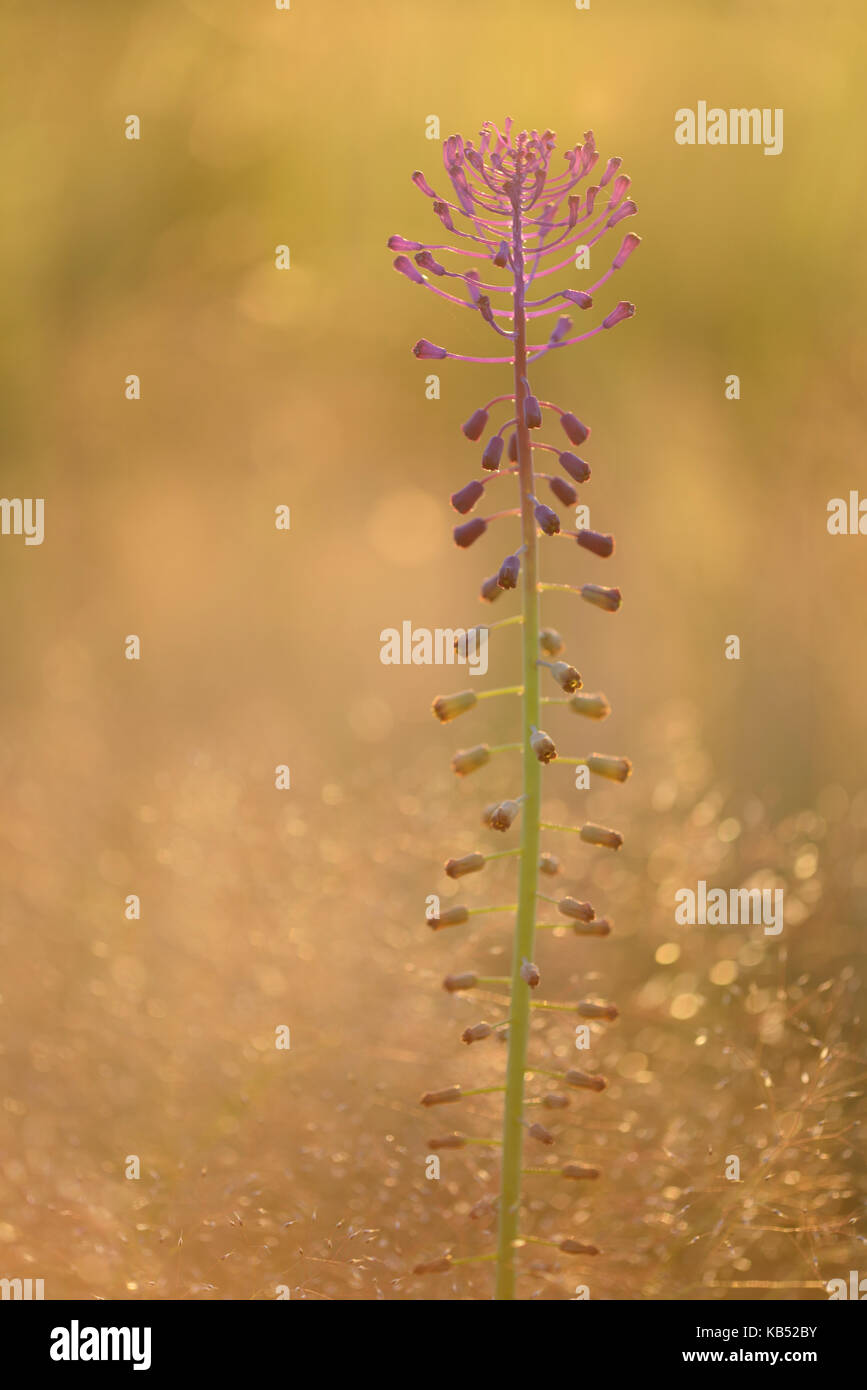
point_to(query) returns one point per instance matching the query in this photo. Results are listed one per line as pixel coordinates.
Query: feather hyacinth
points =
(509, 209)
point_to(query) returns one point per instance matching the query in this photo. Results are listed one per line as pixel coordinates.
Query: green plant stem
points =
(525, 926)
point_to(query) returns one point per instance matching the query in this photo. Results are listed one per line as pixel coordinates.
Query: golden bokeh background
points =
(306, 908)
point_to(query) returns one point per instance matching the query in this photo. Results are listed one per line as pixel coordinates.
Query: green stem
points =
(525, 927)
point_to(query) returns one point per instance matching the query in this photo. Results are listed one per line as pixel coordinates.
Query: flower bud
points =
(501, 815)
(405, 266)
(476, 1033)
(421, 182)
(469, 531)
(442, 212)
(591, 706)
(579, 297)
(550, 641)
(474, 427)
(609, 600)
(530, 974)
(600, 926)
(630, 244)
(559, 331)
(438, 1266)
(574, 428)
(448, 707)
(483, 304)
(493, 452)
(448, 1141)
(501, 255)
(470, 759)
(425, 349)
(549, 864)
(547, 519)
(455, 983)
(424, 258)
(598, 835)
(627, 209)
(540, 1134)
(532, 413)
(624, 310)
(566, 676)
(575, 467)
(589, 1009)
(563, 491)
(616, 769)
(468, 864)
(571, 907)
(610, 170)
(509, 571)
(444, 1097)
(452, 917)
(555, 1101)
(467, 496)
(400, 243)
(585, 1081)
(490, 590)
(513, 448)
(576, 1247)
(543, 746)
(596, 542)
(578, 1171)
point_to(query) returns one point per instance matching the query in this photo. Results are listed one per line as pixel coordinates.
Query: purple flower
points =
(474, 427)
(425, 349)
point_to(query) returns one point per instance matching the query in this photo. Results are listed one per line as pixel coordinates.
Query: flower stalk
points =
(519, 213)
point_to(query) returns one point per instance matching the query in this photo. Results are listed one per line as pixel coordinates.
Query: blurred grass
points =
(261, 388)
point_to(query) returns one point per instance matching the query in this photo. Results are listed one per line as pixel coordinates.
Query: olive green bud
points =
(609, 600)
(543, 746)
(476, 1033)
(571, 907)
(555, 1101)
(566, 676)
(452, 917)
(588, 1009)
(530, 974)
(550, 641)
(442, 1265)
(468, 864)
(453, 983)
(584, 1080)
(599, 835)
(500, 815)
(444, 1097)
(577, 1247)
(448, 707)
(469, 759)
(579, 1170)
(601, 926)
(591, 706)
(616, 769)
(448, 1141)
(540, 1134)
